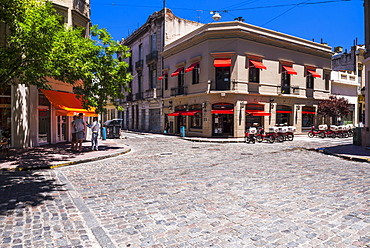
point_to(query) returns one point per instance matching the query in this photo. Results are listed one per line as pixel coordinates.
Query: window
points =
(140, 52)
(309, 81)
(153, 42)
(285, 82)
(254, 74)
(222, 78)
(166, 81)
(196, 119)
(195, 75)
(327, 80)
(308, 114)
(180, 78)
(153, 79)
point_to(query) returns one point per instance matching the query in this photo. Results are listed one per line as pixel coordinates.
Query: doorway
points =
(223, 124)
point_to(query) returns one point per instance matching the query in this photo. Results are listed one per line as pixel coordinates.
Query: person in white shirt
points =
(95, 127)
(80, 130)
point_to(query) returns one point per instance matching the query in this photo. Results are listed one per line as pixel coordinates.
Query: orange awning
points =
(314, 74)
(222, 62)
(67, 104)
(258, 64)
(290, 70)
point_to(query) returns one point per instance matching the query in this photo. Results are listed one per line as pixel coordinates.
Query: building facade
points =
(34, 117)
(225, 77)
(366, 132)
(348, 81)
(143, 104)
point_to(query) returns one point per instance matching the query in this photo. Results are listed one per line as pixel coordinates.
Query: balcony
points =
(129, 97)
(82, 7)
(152, 57)
(179, 91)
(139, 64)
(139, 96)
(288, 90)
(150, 94)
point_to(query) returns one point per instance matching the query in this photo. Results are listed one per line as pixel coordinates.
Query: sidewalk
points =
(56, 155)
(351, 152)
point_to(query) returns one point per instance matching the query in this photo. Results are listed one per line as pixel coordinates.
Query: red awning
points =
(283, 111)
(161, 77)
(308, 112)
(177, 72)
(191, 67)
(222, 62)
(314, 74)
(290, 70)
(258, 64)
(223, 111)
(191, 112)
(257, 113)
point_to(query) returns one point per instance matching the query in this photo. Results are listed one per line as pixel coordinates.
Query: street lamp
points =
(216, 16)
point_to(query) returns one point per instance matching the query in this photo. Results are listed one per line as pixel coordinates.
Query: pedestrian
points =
(80, 131)
(73, 131)
(95, 127)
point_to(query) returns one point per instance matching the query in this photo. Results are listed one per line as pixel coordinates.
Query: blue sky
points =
(336, 22)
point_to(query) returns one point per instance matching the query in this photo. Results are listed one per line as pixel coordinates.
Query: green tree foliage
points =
(39, 45)
(334, 107)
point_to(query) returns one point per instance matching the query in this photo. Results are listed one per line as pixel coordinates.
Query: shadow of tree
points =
(21, 189)
(38, 156)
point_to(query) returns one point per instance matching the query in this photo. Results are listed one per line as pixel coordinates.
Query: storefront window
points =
(196, 119)
(308, 115)
(283, 114)
(44, 119)
(5, 113)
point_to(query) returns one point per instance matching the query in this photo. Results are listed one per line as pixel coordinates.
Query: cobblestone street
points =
(168, 192)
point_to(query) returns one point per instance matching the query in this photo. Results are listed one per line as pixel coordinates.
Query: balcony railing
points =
(152, 57)
(150, 94)
(82, 7)
(224, 86)
(139, 96)
(139, 64)
(179, 91)
(288, 90)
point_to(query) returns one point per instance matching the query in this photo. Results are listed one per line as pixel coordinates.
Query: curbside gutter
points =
(347, 157)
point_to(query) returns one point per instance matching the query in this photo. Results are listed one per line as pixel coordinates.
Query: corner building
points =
(224, 77)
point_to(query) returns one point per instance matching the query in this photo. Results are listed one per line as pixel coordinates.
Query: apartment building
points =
(35, 117)
(143, 104)
(366, 63)
(225, 77)
(348, 80)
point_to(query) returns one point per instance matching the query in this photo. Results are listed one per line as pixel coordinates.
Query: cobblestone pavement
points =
(168, 192)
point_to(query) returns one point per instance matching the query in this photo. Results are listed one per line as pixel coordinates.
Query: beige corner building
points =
(224, 77)
(35, 117)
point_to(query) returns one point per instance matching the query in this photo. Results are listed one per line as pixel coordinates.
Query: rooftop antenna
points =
(199, 15)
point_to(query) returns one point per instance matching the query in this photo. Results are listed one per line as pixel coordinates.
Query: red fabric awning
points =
(290, 70)
(191, 67)
(177, 72)
(257, 113)
(283, 111)
(258, 64)
(222, 62)
(191, 112)
(223, 111)
(161, 77)
(314, 74)
(308, 112)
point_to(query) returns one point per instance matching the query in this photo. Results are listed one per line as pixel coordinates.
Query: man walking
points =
(95, 127)
(80, 131)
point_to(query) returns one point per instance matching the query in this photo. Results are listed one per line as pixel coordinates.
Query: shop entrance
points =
(61, 128)
(223, 119)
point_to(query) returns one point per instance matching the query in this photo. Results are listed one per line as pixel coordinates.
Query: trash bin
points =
(104, 133)
(182, 131)
(113, 128)
(357, 141)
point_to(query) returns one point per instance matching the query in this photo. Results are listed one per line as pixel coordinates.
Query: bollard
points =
(104, 133)
(182, 131)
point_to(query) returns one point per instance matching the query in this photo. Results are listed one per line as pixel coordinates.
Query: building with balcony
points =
(348, 80)
(143, 104)
(34, 117)
(224, 77)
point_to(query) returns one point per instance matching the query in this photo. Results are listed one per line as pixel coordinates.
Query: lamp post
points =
(270, 107)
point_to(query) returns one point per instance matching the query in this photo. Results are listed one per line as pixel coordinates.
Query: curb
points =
(213, 141)
(352, 158)
(126, 150)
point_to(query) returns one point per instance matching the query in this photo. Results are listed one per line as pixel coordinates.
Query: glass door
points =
(61, 126)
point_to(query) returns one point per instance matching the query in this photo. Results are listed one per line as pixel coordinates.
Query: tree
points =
(334, 107)
(39, 46)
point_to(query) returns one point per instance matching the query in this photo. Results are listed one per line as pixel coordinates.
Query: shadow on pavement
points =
(21, 189)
